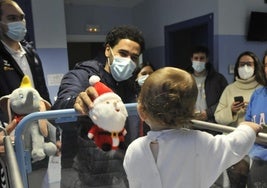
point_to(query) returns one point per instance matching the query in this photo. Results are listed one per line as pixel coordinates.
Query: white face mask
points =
(16, 30)
(198, 66)
(121, 68)
(245, 72)
(142, 79)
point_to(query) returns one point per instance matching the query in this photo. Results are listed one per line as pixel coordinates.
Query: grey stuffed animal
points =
(23, 101)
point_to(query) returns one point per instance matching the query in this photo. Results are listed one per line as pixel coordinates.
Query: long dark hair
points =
(263, 59)
(258, 67)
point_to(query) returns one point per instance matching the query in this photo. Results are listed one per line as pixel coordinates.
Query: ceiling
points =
(116, 3)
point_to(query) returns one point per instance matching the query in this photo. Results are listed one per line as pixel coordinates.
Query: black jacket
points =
(95, 167)
(11, 74)
(215, 83)
(76, 81)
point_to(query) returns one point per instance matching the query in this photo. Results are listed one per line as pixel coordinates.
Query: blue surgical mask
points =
(16, 30)
(121, 68)
(198, 66)
(142, 79)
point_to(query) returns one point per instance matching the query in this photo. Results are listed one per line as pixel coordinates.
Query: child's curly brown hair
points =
(168, 96)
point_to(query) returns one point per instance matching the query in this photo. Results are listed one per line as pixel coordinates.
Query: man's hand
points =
(84, 101)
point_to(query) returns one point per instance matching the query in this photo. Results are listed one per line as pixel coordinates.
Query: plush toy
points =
(109, 115)
(21, 102)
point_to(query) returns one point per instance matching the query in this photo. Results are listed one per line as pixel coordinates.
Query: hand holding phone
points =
(237, 104)
(239, 99)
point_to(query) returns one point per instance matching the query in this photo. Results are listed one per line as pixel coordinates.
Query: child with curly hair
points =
(172, 155)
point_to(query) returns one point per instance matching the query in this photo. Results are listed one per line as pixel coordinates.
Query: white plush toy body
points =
(21, 102)
(109, 115)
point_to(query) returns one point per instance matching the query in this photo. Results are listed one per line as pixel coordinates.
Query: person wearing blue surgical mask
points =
(18, 58)
(83, 164)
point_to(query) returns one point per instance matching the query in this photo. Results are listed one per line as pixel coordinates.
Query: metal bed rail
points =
(60, 116)
(261, 137)
(69, 115)
(14, 177)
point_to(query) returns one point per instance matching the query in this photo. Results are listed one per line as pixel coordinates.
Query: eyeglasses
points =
(241, 64)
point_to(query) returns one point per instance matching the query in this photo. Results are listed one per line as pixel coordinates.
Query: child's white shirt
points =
(185, 158)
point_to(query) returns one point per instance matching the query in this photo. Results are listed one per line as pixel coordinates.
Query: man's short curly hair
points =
(125, 32)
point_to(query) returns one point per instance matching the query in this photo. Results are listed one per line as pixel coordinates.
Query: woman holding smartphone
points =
(231, 110)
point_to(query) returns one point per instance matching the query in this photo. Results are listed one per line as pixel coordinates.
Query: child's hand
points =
(256, 127)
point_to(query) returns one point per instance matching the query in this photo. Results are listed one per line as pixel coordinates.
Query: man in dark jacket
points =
(94, 167)
(210, 84)
(19, 58)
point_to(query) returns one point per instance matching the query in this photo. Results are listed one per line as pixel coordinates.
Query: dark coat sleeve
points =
(214, 87)
(74, 82)
(71, 85)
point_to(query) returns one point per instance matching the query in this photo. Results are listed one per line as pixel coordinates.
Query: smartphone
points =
(239, 99)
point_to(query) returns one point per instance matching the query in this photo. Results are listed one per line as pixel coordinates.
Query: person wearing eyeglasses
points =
(231, 110)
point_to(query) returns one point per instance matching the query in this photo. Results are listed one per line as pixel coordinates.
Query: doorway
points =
(83, 51)
(181, 37)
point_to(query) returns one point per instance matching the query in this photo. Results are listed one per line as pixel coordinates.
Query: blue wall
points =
(54, 60)
(230, 46)
(78, 16)
(50, 40)
(53, 26)
(230, 26)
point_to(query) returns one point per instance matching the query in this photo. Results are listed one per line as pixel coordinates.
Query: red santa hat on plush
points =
(103, 91)
(109, 112)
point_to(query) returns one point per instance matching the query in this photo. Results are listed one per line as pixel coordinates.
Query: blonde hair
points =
(168, 96)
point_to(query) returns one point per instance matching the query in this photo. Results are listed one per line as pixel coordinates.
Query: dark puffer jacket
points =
(95, 167)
